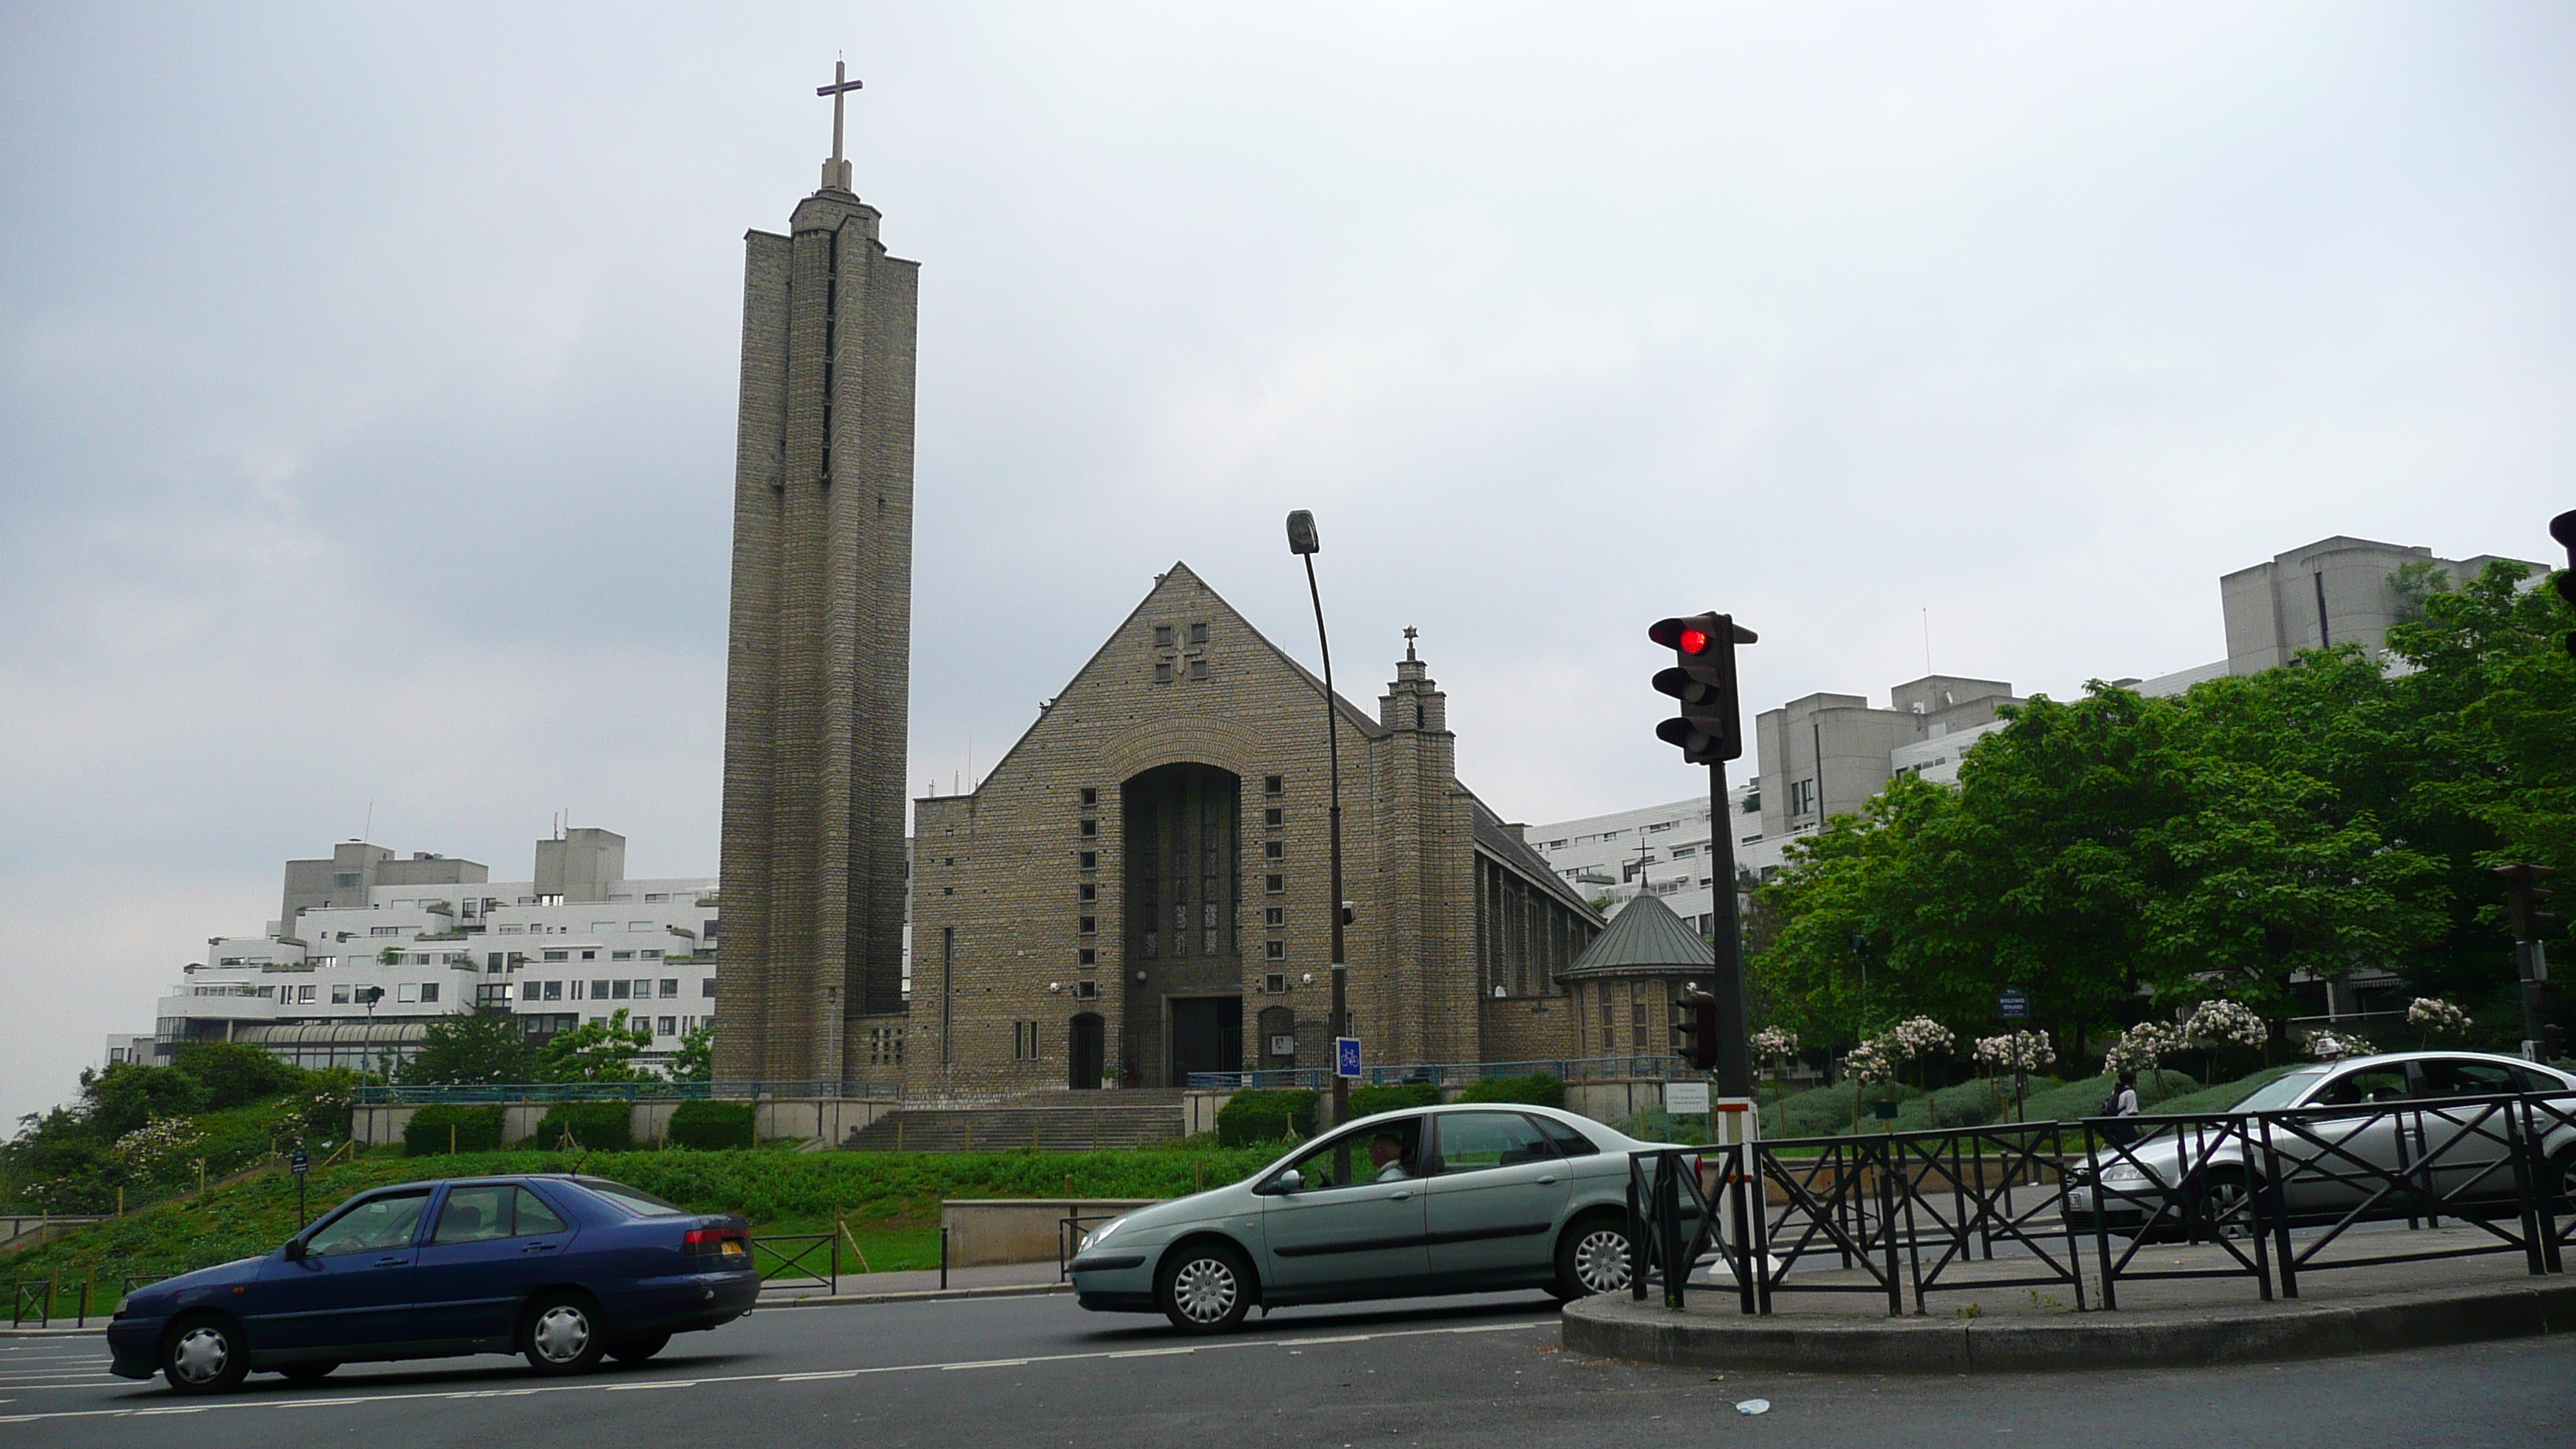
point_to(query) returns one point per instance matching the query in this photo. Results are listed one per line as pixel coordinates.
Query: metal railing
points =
(1455, 1074)
(790, 1260)
(639, 1091)
(1902, 1213)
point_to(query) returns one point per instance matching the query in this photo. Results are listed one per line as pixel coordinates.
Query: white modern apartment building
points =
(370, 948)
(1664, 849)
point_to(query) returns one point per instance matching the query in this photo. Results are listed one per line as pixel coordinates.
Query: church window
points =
(1274, 850)
(1086, 991)
(1089, 957)
(1198, 633)
(1091, 827)
(1198, 669)
(1162, 638)
(1278, 951)
(1637, 1013)
(1090, 924)
(1276, 983)
(1274, 785)
(1087, 892)
(1090, 798)
(1163, 672)
(1274, 883)
(1274, 816)
(1275, 917)
(1024, 1041)
(1091, 860)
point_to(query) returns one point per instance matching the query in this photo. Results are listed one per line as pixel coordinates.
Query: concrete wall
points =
(1020, 1230)
(824, 1119)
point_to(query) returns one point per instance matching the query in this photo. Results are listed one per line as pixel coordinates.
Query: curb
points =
(928, 1295)
(1615, 1327)
(99, 1327)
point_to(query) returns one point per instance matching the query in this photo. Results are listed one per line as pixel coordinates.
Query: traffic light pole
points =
(1734, 1052)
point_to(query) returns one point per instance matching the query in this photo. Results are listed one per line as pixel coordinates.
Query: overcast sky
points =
(367, 379)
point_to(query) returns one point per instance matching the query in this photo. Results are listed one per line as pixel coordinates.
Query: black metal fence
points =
(792, 1260)
(2277, 1194)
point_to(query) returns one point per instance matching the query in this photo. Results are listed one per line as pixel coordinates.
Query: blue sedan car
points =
(562, 1269)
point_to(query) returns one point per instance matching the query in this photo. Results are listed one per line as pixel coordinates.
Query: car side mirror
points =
(1288, 1181)
(295, 1250)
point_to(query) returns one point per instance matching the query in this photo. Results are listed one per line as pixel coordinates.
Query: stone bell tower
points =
(819, 664)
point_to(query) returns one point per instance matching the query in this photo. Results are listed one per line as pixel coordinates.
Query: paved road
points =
(1485, 1372)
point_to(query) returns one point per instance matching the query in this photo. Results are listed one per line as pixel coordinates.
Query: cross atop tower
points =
(1410, 634)
(836, 172)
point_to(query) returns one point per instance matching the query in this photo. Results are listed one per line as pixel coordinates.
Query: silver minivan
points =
(1469, 1198)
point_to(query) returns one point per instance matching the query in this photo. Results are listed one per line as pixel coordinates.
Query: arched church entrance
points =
(1083, 1051)
(1184, 875)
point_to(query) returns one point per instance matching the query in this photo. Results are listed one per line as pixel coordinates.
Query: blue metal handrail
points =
(639, 1091)
(1454, 1074)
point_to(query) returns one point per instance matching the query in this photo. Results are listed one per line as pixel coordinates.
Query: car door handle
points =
(1544, 1181)
(393, 1262)
(1399, 1196)
(538, 1248)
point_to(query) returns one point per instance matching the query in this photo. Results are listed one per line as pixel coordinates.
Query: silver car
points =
(2347, 1110)
(1457, 1199)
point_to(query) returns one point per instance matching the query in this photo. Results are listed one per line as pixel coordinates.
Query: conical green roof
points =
(1644, 937)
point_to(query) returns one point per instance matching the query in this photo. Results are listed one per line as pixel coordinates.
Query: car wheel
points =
(1206, 1288)
(307, 1373)
(639, 1348)
(2560, 1188)
(2226, 1206)
(562, 1334)
(204, 1355)
(1592, 1258)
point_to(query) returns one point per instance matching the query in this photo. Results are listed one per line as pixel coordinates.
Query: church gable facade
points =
(1139, 890)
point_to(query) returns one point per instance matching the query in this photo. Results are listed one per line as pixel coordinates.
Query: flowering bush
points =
(2327, 1045)
(2437, 1017)
(1870, 1062)
(2141, 1047)
(155, 1145)
(2020, 1051)
(1773, 1041)
(2224, 1023)
(1920, 1037)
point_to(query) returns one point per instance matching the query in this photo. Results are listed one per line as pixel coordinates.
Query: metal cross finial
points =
(1410, 633)
(841, 86)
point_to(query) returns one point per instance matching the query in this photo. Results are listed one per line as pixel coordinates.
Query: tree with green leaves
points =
(485, 1046)
(695, 1061)
(599, 1050)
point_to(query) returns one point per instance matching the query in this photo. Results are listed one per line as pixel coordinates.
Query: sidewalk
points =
(1002, 1280)
(1974, 1325)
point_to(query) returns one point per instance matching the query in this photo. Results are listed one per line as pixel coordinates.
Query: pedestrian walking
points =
(2124, 1105)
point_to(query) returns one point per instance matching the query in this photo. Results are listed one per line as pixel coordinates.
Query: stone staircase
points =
(1048, 1122)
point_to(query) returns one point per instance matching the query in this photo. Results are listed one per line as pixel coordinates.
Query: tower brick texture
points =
(818, 672)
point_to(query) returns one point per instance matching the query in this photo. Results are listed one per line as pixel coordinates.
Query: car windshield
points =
(2279, 1092)
(634, 1200)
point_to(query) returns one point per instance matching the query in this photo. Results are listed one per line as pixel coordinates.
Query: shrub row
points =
(1250, 1117)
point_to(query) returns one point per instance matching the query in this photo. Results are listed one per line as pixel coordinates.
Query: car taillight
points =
(717, 1243)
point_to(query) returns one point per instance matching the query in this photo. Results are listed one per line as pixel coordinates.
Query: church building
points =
(1139, 890)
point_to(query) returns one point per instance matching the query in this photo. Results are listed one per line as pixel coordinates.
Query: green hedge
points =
(1394, 1097)
(441, 1128)
(595, 1126)
(710, 1126)
(1250, 1117)
(1537, 1090)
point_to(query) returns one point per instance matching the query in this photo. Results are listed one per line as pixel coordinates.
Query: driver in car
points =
(1387, 1154)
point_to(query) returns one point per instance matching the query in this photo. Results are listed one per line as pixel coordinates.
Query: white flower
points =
(1870, 1063)
(2437, 1016)
(2141, 1047)
(1773, 1041)
(2222, 1023)
(2019, 1051)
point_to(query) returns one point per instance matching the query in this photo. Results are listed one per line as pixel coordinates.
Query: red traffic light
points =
(1703, 679)
(1693, 641)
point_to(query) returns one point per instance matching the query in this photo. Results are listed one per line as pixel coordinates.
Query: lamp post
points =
(1303, 543)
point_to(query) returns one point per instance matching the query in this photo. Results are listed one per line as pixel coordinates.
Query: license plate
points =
(733, 1249)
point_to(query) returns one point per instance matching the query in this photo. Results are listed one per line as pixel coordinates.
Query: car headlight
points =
(119, 1311)
(1100, 1234)
(2125, 1172)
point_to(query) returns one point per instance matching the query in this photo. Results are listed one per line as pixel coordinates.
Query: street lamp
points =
(1303, 543)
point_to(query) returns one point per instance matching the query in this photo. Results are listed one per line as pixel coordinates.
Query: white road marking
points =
(791, 1378)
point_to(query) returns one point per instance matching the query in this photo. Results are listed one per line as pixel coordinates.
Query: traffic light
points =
(1703, 679)
(2523, 901)
(2563, 529)
(1698, 1029)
